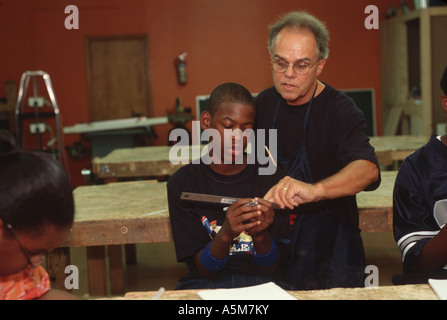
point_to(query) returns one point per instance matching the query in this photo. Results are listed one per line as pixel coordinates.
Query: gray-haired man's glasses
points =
(281, 66)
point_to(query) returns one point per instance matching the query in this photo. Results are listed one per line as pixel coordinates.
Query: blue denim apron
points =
(325, 253)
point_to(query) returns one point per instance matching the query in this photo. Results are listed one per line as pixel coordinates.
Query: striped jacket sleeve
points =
(413, 220)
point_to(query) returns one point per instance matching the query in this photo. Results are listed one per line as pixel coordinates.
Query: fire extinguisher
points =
(180, 64)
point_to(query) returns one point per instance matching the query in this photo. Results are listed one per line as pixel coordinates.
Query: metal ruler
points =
(213, 199)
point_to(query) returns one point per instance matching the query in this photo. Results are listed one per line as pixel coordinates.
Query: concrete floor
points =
(157, 266)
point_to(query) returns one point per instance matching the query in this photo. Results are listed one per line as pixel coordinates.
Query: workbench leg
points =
(96, 270)
(115, 255)
(56, 261)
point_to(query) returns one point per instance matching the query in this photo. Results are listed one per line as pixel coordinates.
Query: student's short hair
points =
(444, 81)
(35, 190)
(302, 20)
(229, 92)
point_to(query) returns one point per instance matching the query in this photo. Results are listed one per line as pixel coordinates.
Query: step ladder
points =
(36, 101)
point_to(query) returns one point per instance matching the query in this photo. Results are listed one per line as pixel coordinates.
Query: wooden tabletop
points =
(120, 213)
(137, 212)
(155, 160)
(376, 207)
(142, 161)
(406, 292)
(395, 148)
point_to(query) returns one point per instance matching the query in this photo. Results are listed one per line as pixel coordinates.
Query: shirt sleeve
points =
(412, 217)
(188, 232)
(352, 142)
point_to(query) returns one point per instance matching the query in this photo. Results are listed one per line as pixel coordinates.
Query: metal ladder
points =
(19, 115)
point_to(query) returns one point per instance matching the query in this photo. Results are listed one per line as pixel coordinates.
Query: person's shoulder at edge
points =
(336, 95)
(411, 165)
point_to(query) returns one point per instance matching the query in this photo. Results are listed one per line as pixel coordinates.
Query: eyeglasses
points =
(281, 66)
(25, 253)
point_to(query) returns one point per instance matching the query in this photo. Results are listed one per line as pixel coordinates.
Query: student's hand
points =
(265, 218)
(241, 218)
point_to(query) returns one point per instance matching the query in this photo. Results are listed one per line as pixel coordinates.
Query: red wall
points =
(225, 41)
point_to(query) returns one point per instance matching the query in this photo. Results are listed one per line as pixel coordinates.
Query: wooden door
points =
(118, 77)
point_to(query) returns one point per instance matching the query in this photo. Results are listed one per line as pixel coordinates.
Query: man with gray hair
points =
(323, 148)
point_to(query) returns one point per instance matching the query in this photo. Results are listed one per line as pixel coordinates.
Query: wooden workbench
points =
(141, 162)
(120, 213)
(407, 292)
(137, 212)
(376, 207)
(154, 161)
(396, 148)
